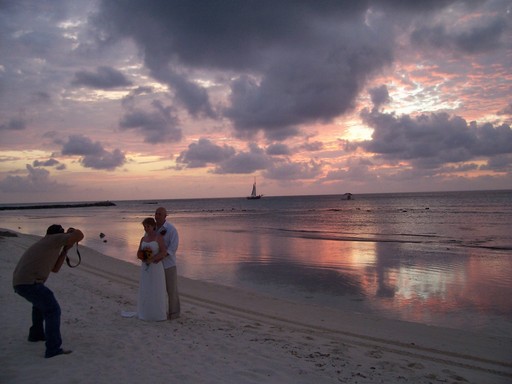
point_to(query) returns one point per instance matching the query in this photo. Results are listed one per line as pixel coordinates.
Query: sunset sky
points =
(142, 99)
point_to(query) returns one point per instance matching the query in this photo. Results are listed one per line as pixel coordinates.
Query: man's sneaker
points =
(59, 352)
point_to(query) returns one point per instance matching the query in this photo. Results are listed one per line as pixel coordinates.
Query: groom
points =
(171, 240)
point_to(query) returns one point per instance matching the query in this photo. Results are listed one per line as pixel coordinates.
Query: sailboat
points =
(254, 196)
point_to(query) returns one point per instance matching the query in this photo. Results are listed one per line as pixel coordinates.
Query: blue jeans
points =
(44, 308)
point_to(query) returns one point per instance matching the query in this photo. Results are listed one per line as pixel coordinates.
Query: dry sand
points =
(225, 336)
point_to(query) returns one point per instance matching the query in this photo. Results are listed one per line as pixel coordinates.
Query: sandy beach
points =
(225, 336)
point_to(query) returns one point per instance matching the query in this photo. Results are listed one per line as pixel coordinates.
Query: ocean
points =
(442, 258)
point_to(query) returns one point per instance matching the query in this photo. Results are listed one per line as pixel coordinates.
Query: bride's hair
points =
(149, 221)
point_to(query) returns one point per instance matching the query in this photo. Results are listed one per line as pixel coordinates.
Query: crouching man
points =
(45, 256)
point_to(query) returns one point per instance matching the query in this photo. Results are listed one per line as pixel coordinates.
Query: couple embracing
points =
(158, 291)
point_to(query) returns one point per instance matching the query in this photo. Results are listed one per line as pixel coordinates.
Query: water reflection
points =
(300, 277)
(415, 282)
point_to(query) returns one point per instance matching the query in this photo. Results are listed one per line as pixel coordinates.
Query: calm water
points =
(434, 258)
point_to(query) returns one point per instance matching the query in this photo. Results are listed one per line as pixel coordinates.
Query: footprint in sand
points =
(376, 354)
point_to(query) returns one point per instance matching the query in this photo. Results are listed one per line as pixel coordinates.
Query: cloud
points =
(506, 111)
(204, 152)
(293, 62)
(128, 100)
(13, 125)
(288, 170)
(93, 154)
(431, 140)
(157, 126)
(192, 96)
(357, 170)
(312, 146)
(289, 63)
(82, 146)
(470, 37)
(278, 149)
(37, 180)
(499, 163)
(379, 96)
(106, 160)
(103, 78)
(261, 71)
(245, 162)
(40, 98)
(227, 161)
(46, 163)
(307, 84)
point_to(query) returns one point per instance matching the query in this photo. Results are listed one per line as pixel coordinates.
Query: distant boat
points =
(346, 196)
(254, 196)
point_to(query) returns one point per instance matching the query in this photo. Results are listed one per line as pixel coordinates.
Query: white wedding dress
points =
(152, 303)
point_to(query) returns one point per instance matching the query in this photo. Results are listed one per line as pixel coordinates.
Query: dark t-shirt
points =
(39, 259)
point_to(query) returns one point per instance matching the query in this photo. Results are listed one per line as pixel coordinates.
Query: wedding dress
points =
(152, 303)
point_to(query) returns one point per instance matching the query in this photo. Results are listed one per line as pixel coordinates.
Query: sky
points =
(144, 99)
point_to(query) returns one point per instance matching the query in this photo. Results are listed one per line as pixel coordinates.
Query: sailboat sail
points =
(254, 196)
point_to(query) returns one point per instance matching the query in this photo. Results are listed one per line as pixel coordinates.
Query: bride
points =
(152, 302)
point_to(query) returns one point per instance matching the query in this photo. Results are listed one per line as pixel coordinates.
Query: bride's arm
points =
(140, 254)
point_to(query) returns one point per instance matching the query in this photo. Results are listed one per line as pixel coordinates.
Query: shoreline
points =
(63, 205)
(228, 335)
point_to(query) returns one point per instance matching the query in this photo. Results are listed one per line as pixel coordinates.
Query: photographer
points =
(45, 256)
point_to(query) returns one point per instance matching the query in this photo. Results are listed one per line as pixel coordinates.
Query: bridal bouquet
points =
(147, 255)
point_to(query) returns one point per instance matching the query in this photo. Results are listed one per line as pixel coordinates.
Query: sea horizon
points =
(157, 199)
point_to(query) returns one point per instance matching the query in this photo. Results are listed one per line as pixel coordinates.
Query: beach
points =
(226, 336)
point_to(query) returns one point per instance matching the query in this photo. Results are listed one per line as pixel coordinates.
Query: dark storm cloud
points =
(295, 62)
(311, 82)
(35, 56)
(278, 149)
(193, 97)
(204, 152)
(40, 98)
(379, 96)
(13, 125)
(217, 34)
(415, 6)
(487, 35)
(93, 154)
(500, 163)
(157, 126)
(52, 10)
(103, 78)
(430, 140)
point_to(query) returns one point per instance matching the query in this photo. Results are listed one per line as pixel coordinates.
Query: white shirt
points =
(171, 240)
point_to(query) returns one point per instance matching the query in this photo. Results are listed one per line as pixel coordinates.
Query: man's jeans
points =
(44, 307)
